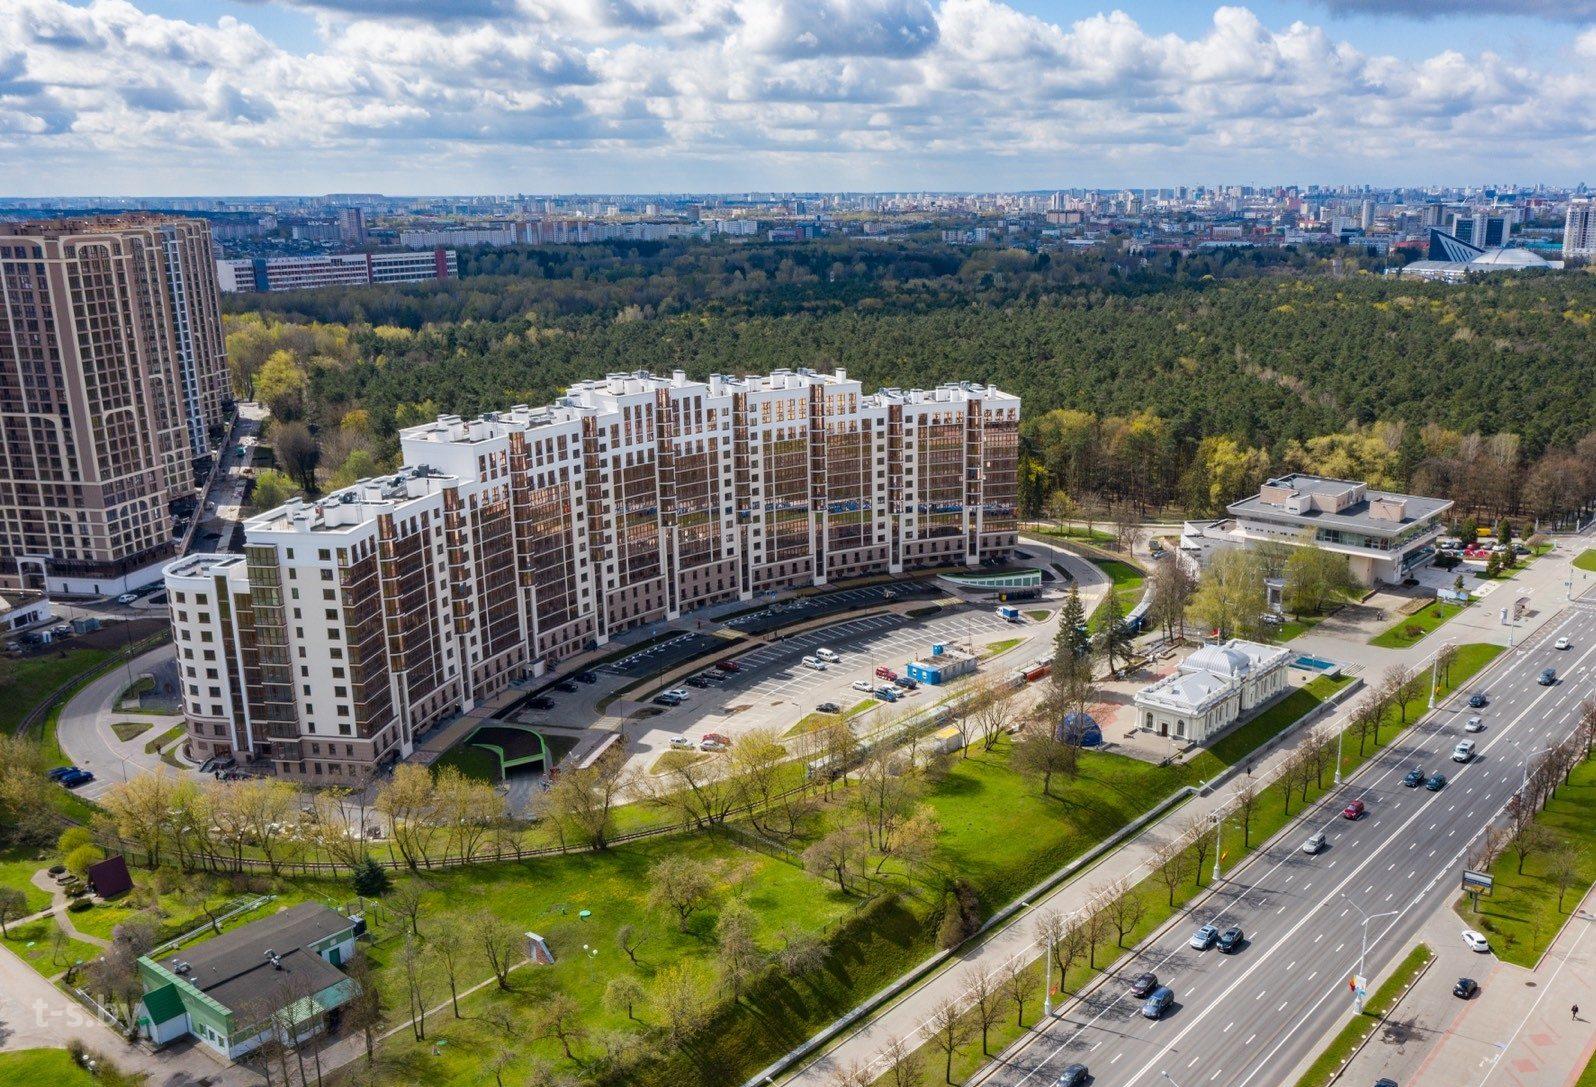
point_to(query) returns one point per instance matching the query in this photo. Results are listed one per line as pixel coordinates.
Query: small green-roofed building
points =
(280, 973)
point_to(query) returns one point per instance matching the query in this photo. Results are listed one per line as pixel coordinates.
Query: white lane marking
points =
(1250, 1037)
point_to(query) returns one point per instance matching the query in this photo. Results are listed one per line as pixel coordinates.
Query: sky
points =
(183, 97)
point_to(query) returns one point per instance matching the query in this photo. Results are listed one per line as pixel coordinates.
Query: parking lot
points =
(775, 689)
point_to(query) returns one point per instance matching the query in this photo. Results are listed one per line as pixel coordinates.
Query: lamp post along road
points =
(1363, 949)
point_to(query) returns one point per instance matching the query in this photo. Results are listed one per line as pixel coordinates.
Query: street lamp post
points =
(1435, 668)
(1523, 784)
(1340, 735)
(1219, 825)
(1171, 1079)
(1363, 949)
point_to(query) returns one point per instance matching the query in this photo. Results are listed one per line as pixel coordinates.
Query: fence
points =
(35, 716)
(179, 941)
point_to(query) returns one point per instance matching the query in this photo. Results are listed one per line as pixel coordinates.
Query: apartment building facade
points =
(336, 270)
(113, 377)
(514, 541)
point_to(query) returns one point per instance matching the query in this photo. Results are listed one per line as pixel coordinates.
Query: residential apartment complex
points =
(1579, 231)
(354, 624)
(1384, 536)
(336, 270)
(112, 379)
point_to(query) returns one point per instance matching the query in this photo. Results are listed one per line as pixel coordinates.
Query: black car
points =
(541, 702)
(1465, 988)
(586, 677)
(1143, 984)
(1415, 777)
(696, 681)
(1230, 939)
(666, 700)
(1073, 1075)
(1436, 783)
(906, 683)
(565, 685)
(1385, 1083)
(1477, 700)
(828, 707)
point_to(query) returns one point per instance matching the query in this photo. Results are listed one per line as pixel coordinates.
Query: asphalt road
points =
(1247, 1019)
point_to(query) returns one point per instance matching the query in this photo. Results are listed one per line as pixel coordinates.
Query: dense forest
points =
(1155, 378)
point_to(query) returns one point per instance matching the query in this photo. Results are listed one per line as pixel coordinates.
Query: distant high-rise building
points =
(352, 226)
(1579, 231)
(1483, 230)
(112, 376)
(1366, 216)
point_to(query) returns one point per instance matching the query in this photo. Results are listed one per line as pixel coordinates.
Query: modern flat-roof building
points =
(279, 975)
(1579, 229)
(336, 270)
(1213, 689)
(353, 624)
(113, 377)
(1385, 536)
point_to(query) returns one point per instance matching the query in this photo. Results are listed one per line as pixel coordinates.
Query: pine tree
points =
(371, 879)
(1113, 638)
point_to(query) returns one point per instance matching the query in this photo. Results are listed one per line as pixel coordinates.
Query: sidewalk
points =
(905, 1018)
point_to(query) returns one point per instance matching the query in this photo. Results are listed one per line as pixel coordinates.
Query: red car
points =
(728, 666)
(1353, 810)
(886, 673)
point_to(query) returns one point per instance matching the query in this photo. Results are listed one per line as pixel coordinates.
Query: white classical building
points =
(1212, 689)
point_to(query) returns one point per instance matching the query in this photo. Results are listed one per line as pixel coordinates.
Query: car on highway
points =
(1563, 643)
(1231, 940)
(728, 666)
(1547, 677)
(863, 685)
(828, 707)
(76, 778)
(1315, 843)
(1073, 1075)
(1477, 700)
(1464, 751)
(1465, 988)
(1353, 810)
(1475, 941)
(814, 662)
(886, 694)
(1385, 1083)
(1414, 777)
(1436, 783)
(682, 743)
(1204, 937)
(1158, 1002)
(1143, 984)
(1475, 724)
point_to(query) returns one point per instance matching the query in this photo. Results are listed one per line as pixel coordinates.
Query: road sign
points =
(1477, 883)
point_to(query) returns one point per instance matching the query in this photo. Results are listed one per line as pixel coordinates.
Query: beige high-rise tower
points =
(112, 381)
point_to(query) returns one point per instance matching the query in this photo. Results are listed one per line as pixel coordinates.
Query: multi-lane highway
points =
(1246, 1019)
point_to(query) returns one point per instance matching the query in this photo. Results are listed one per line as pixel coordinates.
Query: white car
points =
(679, 692)
(827, 655)
(711, 745)
(682, 743)
(127, 598)
(1564, 643)
(816, 663)
(1464, 751)
(863, 685)
(1314, 844)
(1475, 724)
(1475, 941)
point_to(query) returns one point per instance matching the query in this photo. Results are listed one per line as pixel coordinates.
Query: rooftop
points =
(1339, 503)
(234, 968)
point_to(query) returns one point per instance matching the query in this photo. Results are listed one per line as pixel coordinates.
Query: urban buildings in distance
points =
(353, 624)
(1579, 230)
(112, 387)
(335, 270)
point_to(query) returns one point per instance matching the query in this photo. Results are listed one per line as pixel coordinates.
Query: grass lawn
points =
(676, 760)
(152, 746)
(36, 944)
(1379, 1003)
(1522, 915)
(1586, 560)
(811, 721)
(1039, 615)
(1292, 627)
(1410, 629)
(17, 866)
(994, 648)
(1587, 1078)
(1091, 534)
(1127, 587)
(473, 762)
(1243, 741)
(126, 730)
(34, 679)
(32, 1067)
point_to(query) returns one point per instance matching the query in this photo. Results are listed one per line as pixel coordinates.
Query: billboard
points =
(1477, 883)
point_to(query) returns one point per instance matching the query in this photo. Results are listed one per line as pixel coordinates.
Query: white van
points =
(816, 663)
(827, 655)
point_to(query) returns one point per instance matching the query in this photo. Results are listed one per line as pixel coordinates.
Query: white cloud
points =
(594, 94)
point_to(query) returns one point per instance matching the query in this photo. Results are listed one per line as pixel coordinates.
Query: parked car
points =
(1464, 751)
(127, 598)
(586, 677)
(541, 702)
(1315, 843)
(1547, 677)
(1475, 941)
(728, 666)
(62, 771)
(828, 707)
(677, 692)
(1475, 724)
(696, 681)
(1143, 984)
(906, 683)
(1073, 1075)
(827, 655)
(1231, 940)
(1465, 988)
(706, 744)
(1204, 937)
(886, 694)
(565, 685)
(814, 662)
(1436, 783)
(76, 778)
(1353, 810)
(1158, 1002)
(665, 700)
(863, 685)
(1477, 700)
(682, 743)
(886, 673)
(1414, 777)
(1563, 643)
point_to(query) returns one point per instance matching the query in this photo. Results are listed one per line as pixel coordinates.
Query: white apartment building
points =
(355, 623)
(1579, 230)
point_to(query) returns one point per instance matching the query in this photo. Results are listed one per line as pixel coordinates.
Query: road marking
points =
(1228, 1026)
(1319, 937)
(1250, 1037)
(1282, 909)
(1282, 1006)
(1291, 965)
(1117, 1056)
(1261, 994)
(1193, 1062)
(1215, 1075)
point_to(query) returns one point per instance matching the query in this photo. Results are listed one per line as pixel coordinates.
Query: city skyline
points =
(729, 95)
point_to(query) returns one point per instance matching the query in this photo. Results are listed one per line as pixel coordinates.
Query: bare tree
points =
(448, 945)
(562, 1019)
(1172, 867)
(410, 958)
(853, 1074)
(682, 885)
(1126, 908)
(904, 1066)
(839, 855)
(364, 1010)
(950, 1031)
(1196, 835)
(1246, 800)
(623, 994)
(1564, 864)
(581, 801)
(405, 900)
(1016, 983)
(629, 938)
(681, 997)
(986, 1001)
(501, 944)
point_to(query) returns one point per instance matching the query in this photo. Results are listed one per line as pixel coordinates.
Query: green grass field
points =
(1296, 626)
(1127, 587)
(1243, 741)
(33, 679)
(473, 762)
(1522, 915)
(1586, 560)
(1411, 629)
(34, 1067)
(994, 648)
(127, 730)
(17, 865)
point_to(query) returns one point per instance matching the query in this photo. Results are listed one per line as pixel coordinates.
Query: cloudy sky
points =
(165, 97)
